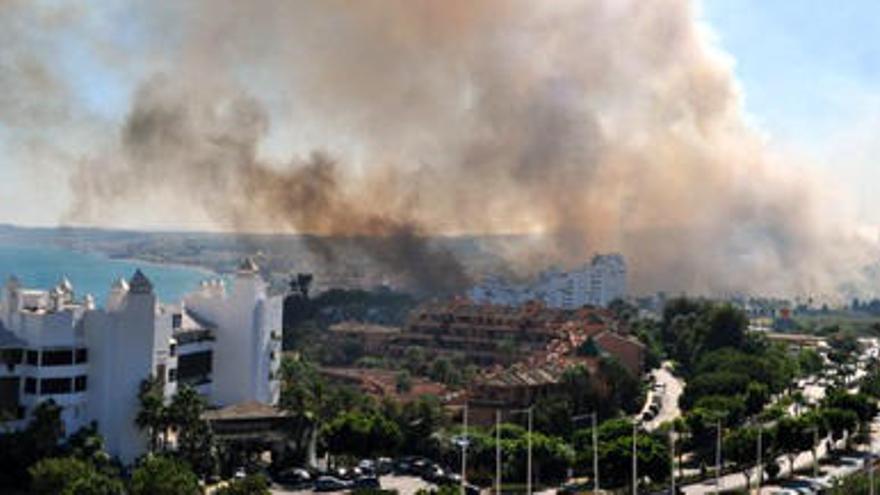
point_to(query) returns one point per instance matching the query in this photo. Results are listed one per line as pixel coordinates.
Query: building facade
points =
(91, 361)
(595, 284)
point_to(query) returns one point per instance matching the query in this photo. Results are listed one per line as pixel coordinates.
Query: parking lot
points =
(403, 485)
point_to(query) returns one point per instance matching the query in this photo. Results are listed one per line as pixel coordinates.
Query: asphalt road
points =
(672, 390)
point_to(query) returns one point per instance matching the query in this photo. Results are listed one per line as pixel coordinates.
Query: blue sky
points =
(800, 60)
(810, 75)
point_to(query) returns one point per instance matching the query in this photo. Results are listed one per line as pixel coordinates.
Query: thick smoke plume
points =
(598, 124)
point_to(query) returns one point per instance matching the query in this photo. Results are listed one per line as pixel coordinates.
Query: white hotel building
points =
(596, 283)
(91, 361)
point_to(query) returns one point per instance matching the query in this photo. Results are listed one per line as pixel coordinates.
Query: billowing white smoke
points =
(601, 124)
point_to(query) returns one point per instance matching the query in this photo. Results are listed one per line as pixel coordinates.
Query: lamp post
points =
(870, 460)
(815, 431)
(497, 452)
(529, 443)
(672, 460)
(635, 459)
(718, 459)
(464, 446)
(595, 436)
(760, 457)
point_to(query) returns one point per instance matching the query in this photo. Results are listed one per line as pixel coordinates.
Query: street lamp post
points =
(497, 452)
(635, 460)
(464, 446)
(529, 443)
(718, 459)
(595, 456)
(815, 454)
(672, 460)
(595, 436)
(760, 458)
(870, 459)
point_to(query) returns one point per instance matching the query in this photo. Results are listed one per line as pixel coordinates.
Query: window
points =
(30, 386)
(176, 320)
(82, 356)
(57, 358)
(33, 358)
(172, 350)
(49, 386)
(172, 375)
(79, 383)
(194, 368)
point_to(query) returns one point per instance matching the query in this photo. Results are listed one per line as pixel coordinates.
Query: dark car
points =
(368, 483)
(471, 489)
(435, 474)
(410, 465)
(331, 484)
(384, 466)
(293, 477)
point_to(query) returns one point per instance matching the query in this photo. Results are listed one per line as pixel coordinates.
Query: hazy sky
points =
(810, 75)
(809, 72)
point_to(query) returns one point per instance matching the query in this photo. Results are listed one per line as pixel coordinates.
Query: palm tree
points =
(153, 415)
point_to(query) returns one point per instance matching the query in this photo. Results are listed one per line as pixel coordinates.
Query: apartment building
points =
(91, 361)
(596, 284)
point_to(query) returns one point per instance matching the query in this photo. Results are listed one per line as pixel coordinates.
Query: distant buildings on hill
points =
(91, 361)
(596, 283)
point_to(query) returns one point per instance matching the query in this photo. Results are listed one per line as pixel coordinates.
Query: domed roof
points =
(140, 284)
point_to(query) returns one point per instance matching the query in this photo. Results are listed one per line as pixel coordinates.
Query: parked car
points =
(384, 465)
(799, 486)
(368, 483)
(331, 484)
(293, 477)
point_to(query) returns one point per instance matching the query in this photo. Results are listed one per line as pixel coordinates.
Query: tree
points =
(45, 431)
(838, 422)
(195, 443)
(152, 414)
(809, 361)
(793, 436)
(740, 448)
(362, 434)
(158, 475)
(404, 382)
(615, 459)
(51, 476)
(727, 326)
(757, 395)
(418, 421)
(71, 476)
(250, 485)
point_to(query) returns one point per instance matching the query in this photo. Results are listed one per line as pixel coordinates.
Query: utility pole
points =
(595, 455)
(635, 460)
(529, 442)
(718, 460)
(595, 435)
(497, 452)
(672, 460)
(815, 456)
(870, 461)
(760, 458)
(529, 458)
(464, 446)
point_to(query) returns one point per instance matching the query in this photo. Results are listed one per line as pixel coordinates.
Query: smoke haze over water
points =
(603, 125)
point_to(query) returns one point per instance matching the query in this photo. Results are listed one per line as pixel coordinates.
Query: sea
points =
(42, 267)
